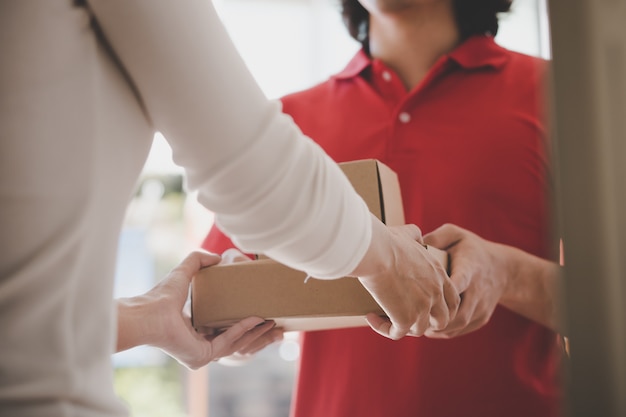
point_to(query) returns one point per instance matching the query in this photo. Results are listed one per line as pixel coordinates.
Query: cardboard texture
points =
(268, 289)
(224, 294)
(378, 186)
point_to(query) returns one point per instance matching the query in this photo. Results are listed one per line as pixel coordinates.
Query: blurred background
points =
(288, 45)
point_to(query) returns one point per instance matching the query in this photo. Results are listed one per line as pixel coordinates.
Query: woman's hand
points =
(159, 318)
(410, 285)
(273, 335)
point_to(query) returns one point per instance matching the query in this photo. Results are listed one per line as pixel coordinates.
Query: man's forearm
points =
(533, 288)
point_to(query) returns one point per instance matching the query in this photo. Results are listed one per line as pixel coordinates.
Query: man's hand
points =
(488, 273)
(479, 273)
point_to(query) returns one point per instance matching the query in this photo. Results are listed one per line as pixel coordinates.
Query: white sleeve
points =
(272, 189)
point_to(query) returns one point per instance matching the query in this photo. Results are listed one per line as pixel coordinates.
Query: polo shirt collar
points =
(356, 65)
(478, 51)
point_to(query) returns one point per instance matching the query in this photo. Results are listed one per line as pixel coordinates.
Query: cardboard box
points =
(378, 185)
(224, 294)
(268, 289)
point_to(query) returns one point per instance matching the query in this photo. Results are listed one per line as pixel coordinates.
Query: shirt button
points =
(386, 76)
(404, 117)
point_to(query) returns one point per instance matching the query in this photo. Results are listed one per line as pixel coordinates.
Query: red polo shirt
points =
(469, 147)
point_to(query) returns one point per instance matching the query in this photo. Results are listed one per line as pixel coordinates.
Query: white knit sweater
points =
(77, 119)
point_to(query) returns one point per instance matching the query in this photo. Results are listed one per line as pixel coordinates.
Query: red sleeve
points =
(218, 242)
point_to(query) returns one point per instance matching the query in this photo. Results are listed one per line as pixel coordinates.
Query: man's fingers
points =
(443, 237)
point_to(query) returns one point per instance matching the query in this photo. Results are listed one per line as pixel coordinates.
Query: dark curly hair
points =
(472, 17)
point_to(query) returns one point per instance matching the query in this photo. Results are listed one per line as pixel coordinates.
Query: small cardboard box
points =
(378, 186)
(268, 289)
(225, 294)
